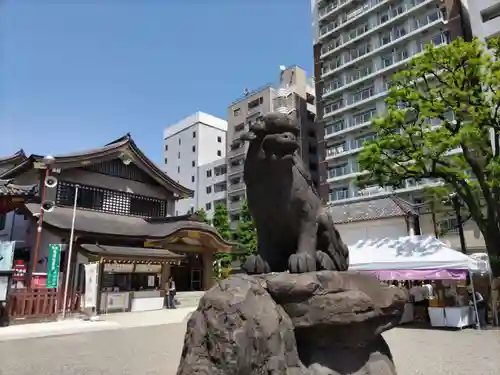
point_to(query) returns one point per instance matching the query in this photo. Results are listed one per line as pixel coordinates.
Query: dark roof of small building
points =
(114, 251)
(123, 147)
(18, 157)
(13, 190)
(373, 209)
(88, 221)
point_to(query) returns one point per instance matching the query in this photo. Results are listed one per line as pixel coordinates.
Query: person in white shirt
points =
(419, 301)
(417, 293)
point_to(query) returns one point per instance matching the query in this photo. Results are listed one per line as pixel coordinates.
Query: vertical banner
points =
(53, 266)
(6, 255)
(91, 273)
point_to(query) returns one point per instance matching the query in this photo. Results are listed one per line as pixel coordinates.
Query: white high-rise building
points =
(484, 16)
(195, 156)
(358, 46)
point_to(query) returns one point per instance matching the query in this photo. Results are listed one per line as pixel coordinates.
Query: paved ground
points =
(105, 322)
(156, 350)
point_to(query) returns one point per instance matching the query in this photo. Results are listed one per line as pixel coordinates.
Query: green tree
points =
(246, 234)
(495, 265)
(220, 221)
(441, 110)
(201, 213)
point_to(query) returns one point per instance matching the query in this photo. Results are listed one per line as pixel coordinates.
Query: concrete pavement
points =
(105, 322)
(156, 351)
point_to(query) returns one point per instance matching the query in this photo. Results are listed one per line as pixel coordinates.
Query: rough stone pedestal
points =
(319, 323)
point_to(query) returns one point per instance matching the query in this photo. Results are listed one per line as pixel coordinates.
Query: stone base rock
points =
(319, 323)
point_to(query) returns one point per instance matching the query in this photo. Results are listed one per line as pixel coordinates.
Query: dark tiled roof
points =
(372, 209)
(123, 145)
(103, 223)
(131, 251)
(17, 157)
(8, 189)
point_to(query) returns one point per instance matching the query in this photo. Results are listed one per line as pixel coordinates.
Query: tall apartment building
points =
(294, 95)
(484, 17)
(195, 157)
(358, 46)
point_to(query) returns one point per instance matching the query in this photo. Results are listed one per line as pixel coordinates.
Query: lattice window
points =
(110, 201)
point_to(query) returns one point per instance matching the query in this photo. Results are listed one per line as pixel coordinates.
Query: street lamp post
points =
(48, 161)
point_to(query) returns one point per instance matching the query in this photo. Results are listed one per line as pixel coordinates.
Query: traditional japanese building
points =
(123, 220)
(12, 196)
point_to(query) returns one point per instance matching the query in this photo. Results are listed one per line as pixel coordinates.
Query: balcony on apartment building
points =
(398, 33)
(386, 16)
(381, 65)
(348, 147)
(236, 203)
(356, 122)
(341, 172)
(236, 185)
(347, 194)
(237, 148)
(236, 166)
(358, 98)
(331, 8)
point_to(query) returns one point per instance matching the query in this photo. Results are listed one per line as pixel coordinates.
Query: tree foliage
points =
(220, 221)
(441, 110)
(202, 214)
(246, 234)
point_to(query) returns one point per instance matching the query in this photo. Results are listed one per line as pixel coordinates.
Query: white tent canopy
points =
(406, 253)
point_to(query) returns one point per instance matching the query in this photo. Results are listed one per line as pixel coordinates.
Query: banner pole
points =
(70, 251)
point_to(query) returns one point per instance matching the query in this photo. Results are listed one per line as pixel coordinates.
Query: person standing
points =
(480, 306)
(417, 295)
(170, 292)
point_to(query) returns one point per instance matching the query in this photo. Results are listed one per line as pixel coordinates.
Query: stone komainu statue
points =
(294, 228)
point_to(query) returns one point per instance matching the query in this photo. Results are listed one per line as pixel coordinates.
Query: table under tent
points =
(421, 258)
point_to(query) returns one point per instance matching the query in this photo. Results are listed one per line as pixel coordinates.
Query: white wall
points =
(479, 28)
(211, 144)
(474, 240)
(217, 185)
(207, 134)
(372, 229)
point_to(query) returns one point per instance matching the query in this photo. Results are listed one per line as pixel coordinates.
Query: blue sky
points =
(77, 76)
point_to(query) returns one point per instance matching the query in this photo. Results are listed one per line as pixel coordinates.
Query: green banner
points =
(53, 266)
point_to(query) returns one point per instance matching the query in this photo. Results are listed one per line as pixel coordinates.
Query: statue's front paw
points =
(302, 262)
(324, 261)
(255, 265)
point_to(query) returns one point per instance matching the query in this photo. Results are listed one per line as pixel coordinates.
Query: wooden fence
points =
(39, 303)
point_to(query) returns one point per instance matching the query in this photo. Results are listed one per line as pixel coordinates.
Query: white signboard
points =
(91, 274)
(4, 287)
(6, 254)
(148, 268)
(117, 301)
(119, 267)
